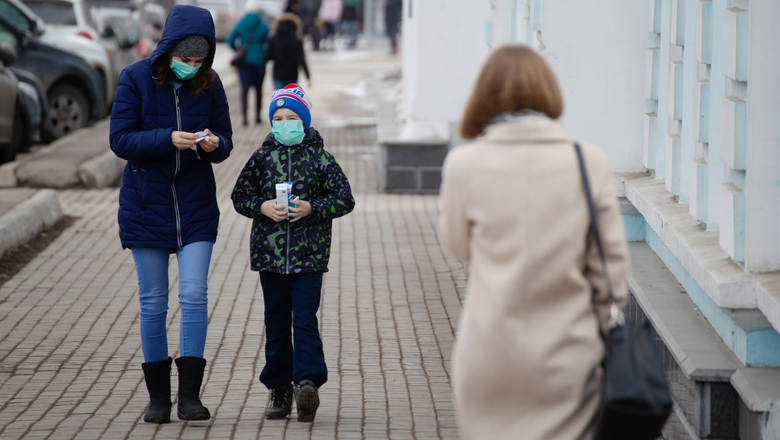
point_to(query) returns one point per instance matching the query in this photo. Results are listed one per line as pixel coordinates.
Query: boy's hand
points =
(300, 209)
(275, 212)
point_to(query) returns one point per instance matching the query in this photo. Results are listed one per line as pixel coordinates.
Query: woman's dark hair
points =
(514, 77)
(287, 28)
(202, 80)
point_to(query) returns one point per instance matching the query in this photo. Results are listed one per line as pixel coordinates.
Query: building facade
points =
(684, 97)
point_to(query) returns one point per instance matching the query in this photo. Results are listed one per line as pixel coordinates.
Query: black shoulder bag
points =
(238, 57)
(636, 400)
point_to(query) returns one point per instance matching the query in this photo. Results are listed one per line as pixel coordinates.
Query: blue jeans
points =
(293, 348)
(151, 268)
(350, 28)
(251, 75)
(279, 84)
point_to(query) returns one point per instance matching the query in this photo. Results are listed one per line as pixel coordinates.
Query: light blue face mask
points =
(183, 71)
(288, 132)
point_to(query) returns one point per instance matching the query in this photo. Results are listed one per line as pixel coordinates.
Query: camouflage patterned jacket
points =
(302, 246)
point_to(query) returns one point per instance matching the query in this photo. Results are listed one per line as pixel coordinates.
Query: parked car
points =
(156, 15)
(74, 89)
(20, 117)
(126, 23)
(69, 26)
(32, 97)
(224, 12)
(10, 126)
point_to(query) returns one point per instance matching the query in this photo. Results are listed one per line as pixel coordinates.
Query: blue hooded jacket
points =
(168, 196)
(251, 30)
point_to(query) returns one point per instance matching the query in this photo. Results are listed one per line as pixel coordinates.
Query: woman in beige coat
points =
(527, 359)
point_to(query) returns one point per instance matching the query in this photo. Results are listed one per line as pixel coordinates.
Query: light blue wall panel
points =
(754, 347)
(664, 8)
(635, 227)
(717, 90)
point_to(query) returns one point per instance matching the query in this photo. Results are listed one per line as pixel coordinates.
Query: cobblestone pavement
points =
(70, 349)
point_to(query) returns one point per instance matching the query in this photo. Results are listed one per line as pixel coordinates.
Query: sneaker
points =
(307, 400)
(280, 405)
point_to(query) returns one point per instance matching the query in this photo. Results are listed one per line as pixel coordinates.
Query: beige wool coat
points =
(526, 363)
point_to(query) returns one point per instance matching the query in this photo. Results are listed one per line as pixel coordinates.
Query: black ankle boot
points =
(280, 405)
(157, 376)
(190, 380)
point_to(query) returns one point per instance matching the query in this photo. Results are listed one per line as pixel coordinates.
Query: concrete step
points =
(716, 396)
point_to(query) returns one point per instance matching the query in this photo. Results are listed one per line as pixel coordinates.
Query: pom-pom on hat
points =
(192, 46)
(294, 98)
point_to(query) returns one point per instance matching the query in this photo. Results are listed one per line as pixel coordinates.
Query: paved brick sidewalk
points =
(69, 334)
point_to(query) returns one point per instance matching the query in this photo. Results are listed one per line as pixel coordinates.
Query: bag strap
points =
(253, 33)
(616, 316)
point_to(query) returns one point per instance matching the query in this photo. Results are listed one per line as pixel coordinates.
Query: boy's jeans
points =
(291, 304)
(151, 267)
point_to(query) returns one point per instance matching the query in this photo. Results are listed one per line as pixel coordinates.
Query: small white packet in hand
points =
(201, 136)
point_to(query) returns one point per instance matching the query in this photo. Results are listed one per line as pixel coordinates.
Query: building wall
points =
(443, 50)
(686, 90)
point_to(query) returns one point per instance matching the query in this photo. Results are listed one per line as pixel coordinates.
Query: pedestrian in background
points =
(527, 361)
(285, 49)
(293, 7)
(349, 21)
(307, 11)
(329, 15)
(250, 31)
(291, 248)
(392, 21)
(167, 203)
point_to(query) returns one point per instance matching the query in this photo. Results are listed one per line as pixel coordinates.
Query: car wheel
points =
(68, 111)
(8, 152)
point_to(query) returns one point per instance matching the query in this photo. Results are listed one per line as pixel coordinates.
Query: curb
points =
(29, 218)
(101, 171)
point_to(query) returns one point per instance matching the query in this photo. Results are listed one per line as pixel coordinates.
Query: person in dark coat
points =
(392, 20)
(285, 49)
(290, 247)
(251, 31)
(307, 11)
(170, 121)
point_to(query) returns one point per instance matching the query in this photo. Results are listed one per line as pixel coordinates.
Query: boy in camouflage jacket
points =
(291, 248)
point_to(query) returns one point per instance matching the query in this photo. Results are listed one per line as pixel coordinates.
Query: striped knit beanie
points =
(294, 98)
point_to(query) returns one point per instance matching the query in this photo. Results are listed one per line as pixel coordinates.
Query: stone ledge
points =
(697, 348)
(699, 252)
(759, 388)
(411, 166)
(36, 213)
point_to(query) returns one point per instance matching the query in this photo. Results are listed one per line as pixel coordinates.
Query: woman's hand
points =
(183, 140)
(275, 212)
(210, 143)
(301, 209)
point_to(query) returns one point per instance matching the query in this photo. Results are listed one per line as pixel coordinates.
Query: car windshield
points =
(14, 15)
(53, 12)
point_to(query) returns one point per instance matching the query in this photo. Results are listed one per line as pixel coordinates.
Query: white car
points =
(224, 12)
(59, 27)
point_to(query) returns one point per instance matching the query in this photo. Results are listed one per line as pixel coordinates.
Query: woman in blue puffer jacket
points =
(170, 121)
